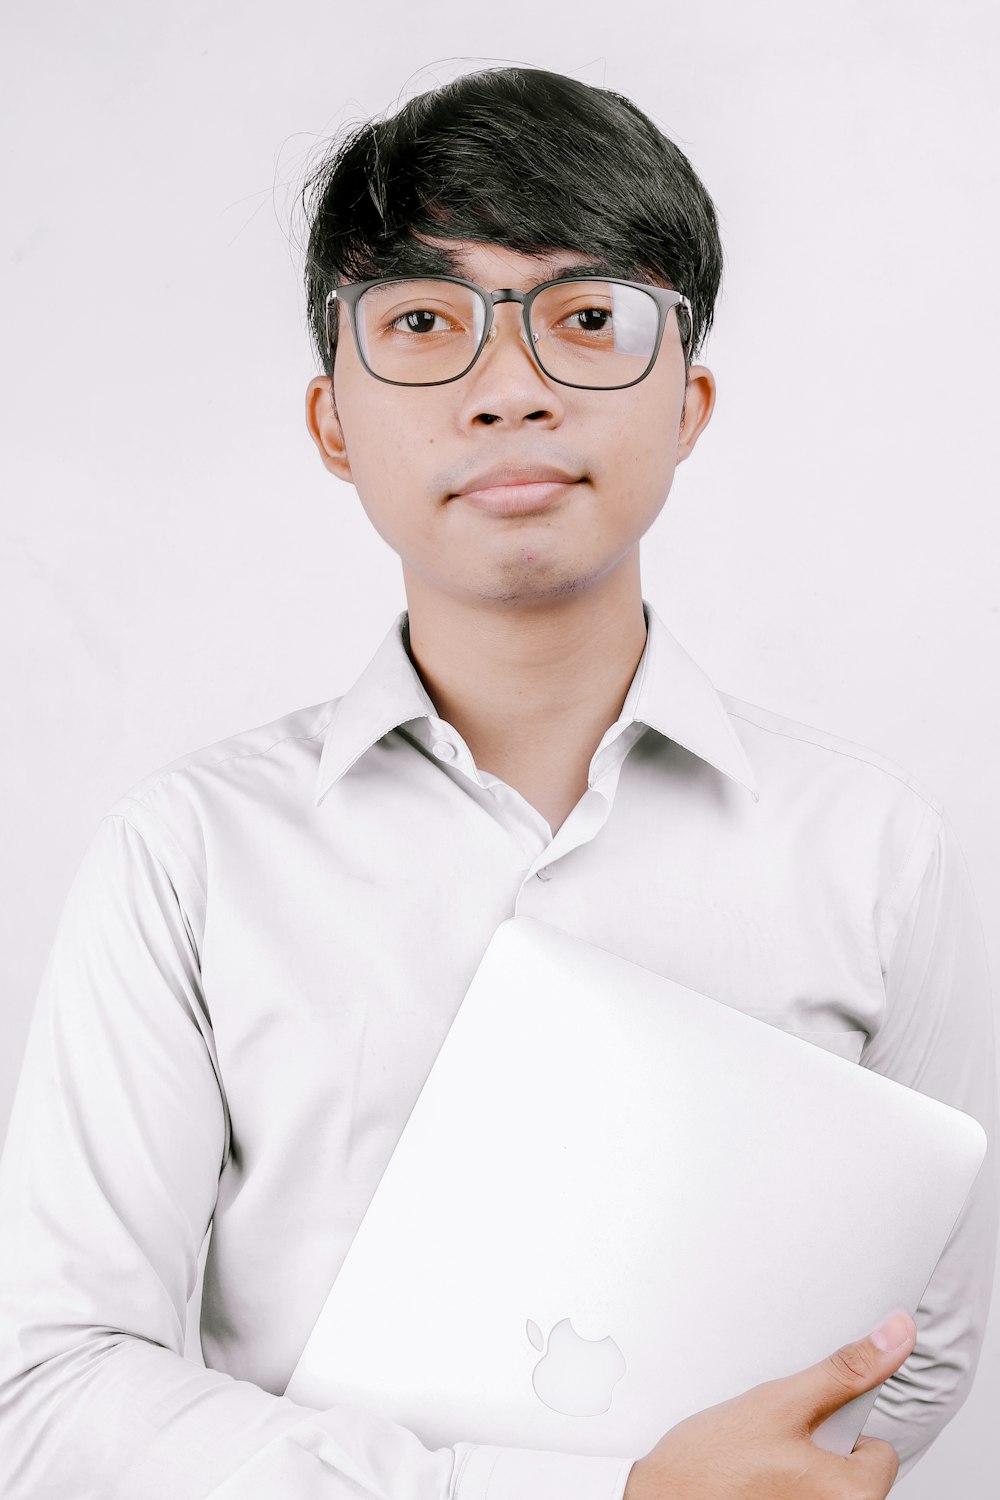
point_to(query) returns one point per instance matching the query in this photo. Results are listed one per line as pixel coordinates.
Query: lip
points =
(511, 474)
(517, 499)
(509, 489)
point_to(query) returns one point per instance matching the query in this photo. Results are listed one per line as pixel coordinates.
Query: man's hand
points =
(758, 1446)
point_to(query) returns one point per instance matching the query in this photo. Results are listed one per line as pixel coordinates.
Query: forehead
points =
(495, 265)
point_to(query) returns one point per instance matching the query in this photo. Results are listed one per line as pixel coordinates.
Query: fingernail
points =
(895, 1330)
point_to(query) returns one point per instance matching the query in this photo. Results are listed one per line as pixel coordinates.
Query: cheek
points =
(381, 425)
(392, 455)
(377, 437)
(643, 437)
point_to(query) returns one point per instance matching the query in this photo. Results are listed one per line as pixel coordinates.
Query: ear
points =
(324, 426)
(699, 402)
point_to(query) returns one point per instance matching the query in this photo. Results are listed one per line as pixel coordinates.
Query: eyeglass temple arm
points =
(683, 302)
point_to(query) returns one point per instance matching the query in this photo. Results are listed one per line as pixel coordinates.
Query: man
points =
(268, 939)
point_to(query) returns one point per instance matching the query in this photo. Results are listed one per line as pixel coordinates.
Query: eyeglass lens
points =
(589, 333)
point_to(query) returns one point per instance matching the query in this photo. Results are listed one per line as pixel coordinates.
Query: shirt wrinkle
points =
(335, 899)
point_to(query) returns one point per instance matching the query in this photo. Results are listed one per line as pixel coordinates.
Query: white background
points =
(176, 563)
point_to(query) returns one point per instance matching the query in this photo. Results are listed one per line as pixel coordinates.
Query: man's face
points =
(410, 450)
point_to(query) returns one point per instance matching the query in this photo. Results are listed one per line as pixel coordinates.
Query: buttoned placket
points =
(523, 821)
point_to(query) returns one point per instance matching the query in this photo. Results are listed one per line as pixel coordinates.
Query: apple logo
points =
(576, 1376)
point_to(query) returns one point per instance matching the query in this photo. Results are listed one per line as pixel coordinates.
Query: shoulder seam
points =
(148, 811)
(193, 763)
(123, 817)
(880, 763)
(904, 870)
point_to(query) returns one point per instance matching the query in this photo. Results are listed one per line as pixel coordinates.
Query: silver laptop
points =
(617, 1202)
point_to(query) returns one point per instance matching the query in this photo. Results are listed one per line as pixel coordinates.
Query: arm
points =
(938, 1037)
(107, 1188)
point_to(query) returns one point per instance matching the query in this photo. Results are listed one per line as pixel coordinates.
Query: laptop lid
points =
(617, 1202)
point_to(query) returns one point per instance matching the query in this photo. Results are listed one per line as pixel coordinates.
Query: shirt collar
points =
(669, 692)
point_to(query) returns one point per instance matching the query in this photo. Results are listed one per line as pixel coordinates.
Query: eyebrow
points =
(457, 267)
(590, 268)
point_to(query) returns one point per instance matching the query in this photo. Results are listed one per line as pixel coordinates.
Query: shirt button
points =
(545, 873)
(445, 750)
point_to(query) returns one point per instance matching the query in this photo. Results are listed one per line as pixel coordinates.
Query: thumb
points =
(817, 1392)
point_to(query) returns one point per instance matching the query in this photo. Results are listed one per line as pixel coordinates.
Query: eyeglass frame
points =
(350, 294)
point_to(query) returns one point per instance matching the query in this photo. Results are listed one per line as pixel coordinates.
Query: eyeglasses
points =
(589, 332)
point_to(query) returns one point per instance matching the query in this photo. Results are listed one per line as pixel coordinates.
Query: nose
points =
(506, 384)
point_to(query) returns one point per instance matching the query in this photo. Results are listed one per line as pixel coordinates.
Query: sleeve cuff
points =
(487, 1473)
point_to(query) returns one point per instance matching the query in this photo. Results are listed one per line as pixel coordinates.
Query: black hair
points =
(519, 157)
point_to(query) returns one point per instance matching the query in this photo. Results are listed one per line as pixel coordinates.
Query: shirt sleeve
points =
(938, 1037)
(108, 1183)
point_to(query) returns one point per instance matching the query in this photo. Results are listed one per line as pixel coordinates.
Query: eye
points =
(418, 320)
(593, 319)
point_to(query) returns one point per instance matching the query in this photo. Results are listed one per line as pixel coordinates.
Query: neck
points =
(518, 680)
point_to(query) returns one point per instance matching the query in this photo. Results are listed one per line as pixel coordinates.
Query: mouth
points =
(518, 499)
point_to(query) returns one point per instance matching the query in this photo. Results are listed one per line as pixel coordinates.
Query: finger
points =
(876, 1463)
(817, 1392)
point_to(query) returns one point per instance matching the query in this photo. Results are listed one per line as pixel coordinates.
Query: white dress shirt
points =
(259, 957)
